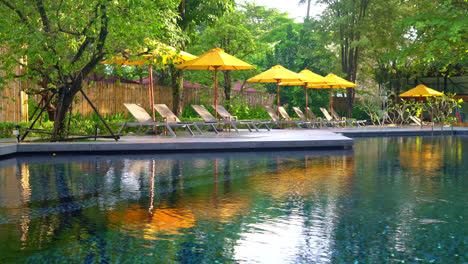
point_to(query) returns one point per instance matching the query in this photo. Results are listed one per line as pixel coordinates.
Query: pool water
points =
(390, 200)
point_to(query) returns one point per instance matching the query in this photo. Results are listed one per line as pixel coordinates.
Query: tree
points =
(238, 32)
(301, 2)
(436, 36)
(192, 14)
(346, 20)
(61, 42)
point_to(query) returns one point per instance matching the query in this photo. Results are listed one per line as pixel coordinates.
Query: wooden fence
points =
(109, 98)
(13, 103)
(203, 95)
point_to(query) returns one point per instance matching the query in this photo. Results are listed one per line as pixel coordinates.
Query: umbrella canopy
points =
(312, 79)
(159, 51)
(163, 52)
(173, 55)
(214, 60)
(277, 74)
(334, 81)
(421, 91)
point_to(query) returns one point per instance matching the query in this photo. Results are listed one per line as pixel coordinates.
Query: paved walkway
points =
(243, 141)
(284, 139)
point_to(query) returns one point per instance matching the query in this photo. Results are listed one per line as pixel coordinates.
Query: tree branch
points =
(60, 26)
(20, 15)
(88, 40)
(43, 14)
(99, 54)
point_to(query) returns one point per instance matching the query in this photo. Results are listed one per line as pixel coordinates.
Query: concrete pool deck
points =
(243, 141)
(284, 139)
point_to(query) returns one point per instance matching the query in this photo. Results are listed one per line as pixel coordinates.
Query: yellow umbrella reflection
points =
(426, 158)
(150, 224)
(221, 209)
(291, 178)
(216, 207)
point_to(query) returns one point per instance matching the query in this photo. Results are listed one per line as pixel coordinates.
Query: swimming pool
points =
(390, 200)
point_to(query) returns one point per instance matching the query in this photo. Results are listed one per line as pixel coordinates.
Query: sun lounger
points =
(314, 118)
(256, 124)
(330, 119)
(301, 116)
(144, 119)
(415, 120)
(209, 119)
(351, 122)
(284, 114)
(172, 120)
(277, 121)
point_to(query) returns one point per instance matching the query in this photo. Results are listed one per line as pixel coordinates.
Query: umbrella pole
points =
(421, 115)
(151, 99)
(277, 97)
(305, 87)
(216, 92)
(331, 99)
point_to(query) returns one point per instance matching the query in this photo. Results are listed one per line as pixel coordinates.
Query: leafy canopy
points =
(63, 41)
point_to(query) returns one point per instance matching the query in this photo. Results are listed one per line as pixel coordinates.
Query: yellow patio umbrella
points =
(312, 79)
(162, 52)
(169, 53)
(277, 74)
(214, 60)
(334, 81)
(421, 91)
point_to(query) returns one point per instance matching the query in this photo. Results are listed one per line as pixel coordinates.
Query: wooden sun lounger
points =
(351, 122)
(313, 117)
(301, 116)
(415, 120)
(143, 119)
(284, 114)
(256, 124)
(209, 119)
(173, 121)
(276, 120)
(330, 118)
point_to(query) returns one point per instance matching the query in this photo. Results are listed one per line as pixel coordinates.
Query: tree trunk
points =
(63, 105)
(227, 87)
(308, 9)
(177, 76)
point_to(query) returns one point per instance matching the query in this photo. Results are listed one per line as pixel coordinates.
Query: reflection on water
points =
(392, 200)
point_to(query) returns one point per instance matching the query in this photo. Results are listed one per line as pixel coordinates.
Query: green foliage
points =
(359, 112)
(189, 114)
(442, 107)
(59, 43)
(243, 111)
(6, 129)
(438, 36)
